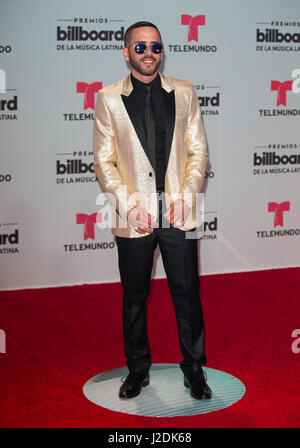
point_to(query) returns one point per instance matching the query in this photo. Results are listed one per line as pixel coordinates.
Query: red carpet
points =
(58, 338)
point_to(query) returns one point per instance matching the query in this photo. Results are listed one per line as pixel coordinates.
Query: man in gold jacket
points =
(150, 156)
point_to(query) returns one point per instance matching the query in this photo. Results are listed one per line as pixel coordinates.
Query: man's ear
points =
(125, 54)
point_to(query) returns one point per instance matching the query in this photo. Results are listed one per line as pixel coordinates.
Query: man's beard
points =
(137, 65)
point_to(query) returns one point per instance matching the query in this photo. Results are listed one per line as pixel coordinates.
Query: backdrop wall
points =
(243, 58)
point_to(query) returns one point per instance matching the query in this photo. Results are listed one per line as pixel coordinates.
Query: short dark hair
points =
(137, 25)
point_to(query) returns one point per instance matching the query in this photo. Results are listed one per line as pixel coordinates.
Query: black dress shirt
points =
(139, 93)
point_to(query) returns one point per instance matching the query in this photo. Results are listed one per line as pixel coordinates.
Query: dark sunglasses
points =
(141, 47)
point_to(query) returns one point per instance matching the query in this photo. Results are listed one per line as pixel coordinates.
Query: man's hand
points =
(141, 221)
(177, 213)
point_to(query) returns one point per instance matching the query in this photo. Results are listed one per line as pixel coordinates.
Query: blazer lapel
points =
(135, 118)
(169, 107)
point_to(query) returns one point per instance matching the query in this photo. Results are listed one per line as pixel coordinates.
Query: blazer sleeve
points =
(197, 156)
(105, 158)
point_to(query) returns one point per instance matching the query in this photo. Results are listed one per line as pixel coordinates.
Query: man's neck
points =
(143, 78)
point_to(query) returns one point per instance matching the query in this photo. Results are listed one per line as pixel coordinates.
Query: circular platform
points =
(166, 395)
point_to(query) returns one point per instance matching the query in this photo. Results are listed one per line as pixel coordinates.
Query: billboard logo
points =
(9, 242)
(89, 91)
(7, 105)
(192, 23)
(89, 222)
(77, 33)
(73, 167)
(9, 238)
(278, 210)
(282, 87)
(89, 33)
(273, 35)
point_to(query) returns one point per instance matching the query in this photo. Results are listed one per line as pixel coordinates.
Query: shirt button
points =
(150, 174)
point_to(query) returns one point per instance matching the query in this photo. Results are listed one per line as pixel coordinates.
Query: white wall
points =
(39, 79)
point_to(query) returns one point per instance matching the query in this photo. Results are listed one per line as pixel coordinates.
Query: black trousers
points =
(180, 260)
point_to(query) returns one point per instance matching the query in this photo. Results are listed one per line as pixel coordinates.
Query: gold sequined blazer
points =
(122, 161)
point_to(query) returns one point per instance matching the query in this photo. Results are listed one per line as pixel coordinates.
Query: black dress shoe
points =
(198, 386)
(133, 384)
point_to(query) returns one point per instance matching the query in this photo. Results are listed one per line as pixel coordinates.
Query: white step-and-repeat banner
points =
(243, 57)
